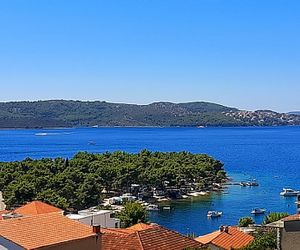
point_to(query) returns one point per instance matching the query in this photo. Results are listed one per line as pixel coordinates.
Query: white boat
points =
(252, 183)
(152, 207)
(289, 192)
(41, 134)
(213, 214)
(258, 211)
(166, 208)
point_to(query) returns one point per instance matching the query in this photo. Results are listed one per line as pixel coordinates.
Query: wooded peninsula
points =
(86, 179)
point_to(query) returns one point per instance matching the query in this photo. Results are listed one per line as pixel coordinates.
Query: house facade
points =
(91, 217)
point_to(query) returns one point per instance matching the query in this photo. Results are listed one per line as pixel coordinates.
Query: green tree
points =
(275, 216)
(132, 214)
(246, 221)
(264, 241)
(53, 198)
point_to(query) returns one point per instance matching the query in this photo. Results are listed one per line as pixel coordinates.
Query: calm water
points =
(271, 155)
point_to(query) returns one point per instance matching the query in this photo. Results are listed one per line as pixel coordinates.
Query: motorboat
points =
(258, 211)
(166, 208)
(252, 183)
(214, 214)
(289, 192)
(152, 207)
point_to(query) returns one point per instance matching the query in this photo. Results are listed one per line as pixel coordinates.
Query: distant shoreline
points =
(206, 127)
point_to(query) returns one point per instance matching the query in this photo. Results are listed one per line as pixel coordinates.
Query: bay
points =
(269, 154)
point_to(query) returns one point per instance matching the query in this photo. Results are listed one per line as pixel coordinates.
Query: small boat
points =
(214, 214)
(289, 192)
(152, 207)
(252, 183)
(258, 211)
(41, 134)
(91, 143)
(166, 208)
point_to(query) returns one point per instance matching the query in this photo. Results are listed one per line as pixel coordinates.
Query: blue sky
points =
(242, 53)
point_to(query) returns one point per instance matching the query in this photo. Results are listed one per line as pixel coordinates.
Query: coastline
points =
(195, 127)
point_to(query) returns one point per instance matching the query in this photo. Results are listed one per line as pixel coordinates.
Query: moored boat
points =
(214, 214)
(258, 211)
(289, 192)
(152, 207)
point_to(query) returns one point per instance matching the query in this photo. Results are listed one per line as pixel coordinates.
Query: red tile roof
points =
(3, 212)
(292, 217)
(37, 207)
(233, 239)
(145, 237)
(37, 231)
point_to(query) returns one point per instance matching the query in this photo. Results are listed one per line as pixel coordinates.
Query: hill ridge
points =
(74, 113)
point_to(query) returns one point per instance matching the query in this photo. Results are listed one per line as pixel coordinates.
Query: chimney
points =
(221, 228)
(226, 229)
(97, 229)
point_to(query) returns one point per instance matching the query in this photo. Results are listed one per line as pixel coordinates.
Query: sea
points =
(271, 155)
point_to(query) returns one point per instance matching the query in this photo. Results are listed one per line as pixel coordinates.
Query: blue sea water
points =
(269, 154)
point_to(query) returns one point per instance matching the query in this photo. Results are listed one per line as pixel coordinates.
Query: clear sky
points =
(241, 53)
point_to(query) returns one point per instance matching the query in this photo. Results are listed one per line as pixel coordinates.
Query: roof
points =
(36, 207)
(233, 239)
(145, 237)
(38, 231)
(3, 212)
(292, 217)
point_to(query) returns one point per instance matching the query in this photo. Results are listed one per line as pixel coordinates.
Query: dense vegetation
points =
(246, 221)
(61, 113)
(132, 214)
(264, 240)
(77, 183)
(274, 216)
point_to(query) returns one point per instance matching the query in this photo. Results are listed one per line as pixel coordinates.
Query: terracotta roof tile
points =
(233, 239)
(145, 237)
(3, 212)
(36, 207)
(43, 230)
(140, 227)
(292, 217)
(205, 239)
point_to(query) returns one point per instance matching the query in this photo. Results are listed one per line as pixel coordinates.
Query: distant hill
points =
(294, 113)
(62, 113)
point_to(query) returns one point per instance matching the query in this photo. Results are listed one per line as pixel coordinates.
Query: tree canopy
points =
(132, 214)
(246, 221)
(77, 183)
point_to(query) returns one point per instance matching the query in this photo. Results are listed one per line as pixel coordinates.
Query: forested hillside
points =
(61, 113)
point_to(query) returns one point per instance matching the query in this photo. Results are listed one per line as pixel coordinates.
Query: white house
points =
(91, 217)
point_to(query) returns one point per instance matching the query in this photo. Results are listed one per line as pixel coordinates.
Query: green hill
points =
(62, 113)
